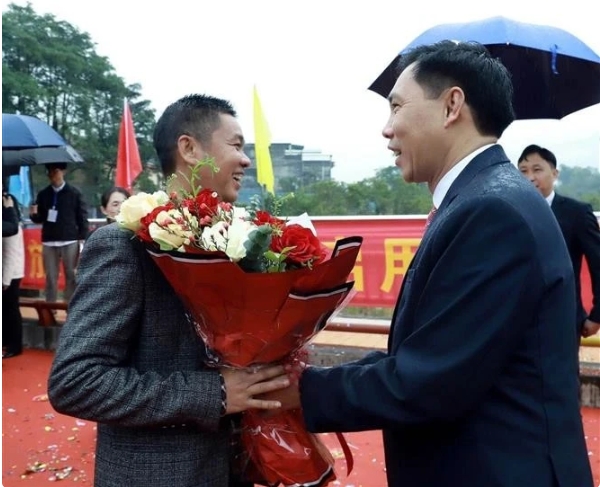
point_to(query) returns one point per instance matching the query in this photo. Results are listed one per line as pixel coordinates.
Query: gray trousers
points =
(52, 256)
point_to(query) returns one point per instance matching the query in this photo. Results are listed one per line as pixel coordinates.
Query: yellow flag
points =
(262, 141)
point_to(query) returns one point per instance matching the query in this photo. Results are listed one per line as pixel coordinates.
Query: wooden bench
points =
(45, 309)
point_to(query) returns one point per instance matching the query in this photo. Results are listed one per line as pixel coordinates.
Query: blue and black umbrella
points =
(27, 141)
(554, 73)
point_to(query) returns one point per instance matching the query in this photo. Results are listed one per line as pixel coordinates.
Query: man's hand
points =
(242, 385)
(589, 328)
(288, 397)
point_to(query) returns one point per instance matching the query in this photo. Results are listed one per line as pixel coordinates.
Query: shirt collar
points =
(443, 186)
(57, 189)
(550, 198)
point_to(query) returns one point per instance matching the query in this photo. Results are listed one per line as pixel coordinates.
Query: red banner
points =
(388, 247)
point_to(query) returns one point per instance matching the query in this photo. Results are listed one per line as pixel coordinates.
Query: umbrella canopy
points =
(25, 132)
(27, 141)
(40, 155)
(554, 73)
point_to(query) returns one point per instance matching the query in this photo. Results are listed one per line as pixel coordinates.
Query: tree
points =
(51, 70)
(318, 199)
(582, 183)
(385, 194)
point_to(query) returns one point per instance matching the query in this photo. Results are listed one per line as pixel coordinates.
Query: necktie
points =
(430, 216)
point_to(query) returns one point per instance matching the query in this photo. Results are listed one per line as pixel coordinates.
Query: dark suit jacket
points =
(129, 359)
(580, 229)
(479, 386)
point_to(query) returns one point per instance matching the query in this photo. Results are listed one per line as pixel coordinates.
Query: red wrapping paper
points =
(259, 318)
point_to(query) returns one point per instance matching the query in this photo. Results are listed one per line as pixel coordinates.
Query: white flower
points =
(166, 239)
(161, 197)
(138, 206)
(170, 230)
(239, 212)
(215, 238)
(192, 221)
(237, 236)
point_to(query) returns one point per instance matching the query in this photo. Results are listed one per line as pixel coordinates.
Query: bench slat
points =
(44, 309)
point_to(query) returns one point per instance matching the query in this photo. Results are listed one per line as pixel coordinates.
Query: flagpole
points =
(126, 121)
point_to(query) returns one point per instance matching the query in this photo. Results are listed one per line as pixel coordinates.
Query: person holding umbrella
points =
(479, 384)
(61, 210)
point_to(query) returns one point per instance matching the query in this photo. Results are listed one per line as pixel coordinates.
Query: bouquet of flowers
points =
(257, 288)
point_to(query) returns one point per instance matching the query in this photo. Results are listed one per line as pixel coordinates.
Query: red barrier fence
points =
(388, 247)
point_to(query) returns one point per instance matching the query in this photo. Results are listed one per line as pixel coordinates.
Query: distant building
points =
(293, 166)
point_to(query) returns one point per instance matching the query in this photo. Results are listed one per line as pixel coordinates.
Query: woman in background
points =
(10, 219)
(13, 270)
(111, 200)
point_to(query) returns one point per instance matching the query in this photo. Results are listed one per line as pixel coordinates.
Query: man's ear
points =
(189, 149)
(454, 100)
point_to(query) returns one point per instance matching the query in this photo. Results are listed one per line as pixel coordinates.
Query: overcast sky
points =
(312, 61)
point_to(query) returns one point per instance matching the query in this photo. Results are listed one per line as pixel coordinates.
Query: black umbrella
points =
(40, 155)
(554, 73)
(27, 141)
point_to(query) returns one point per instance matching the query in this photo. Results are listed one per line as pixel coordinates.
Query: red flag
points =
(129, 164)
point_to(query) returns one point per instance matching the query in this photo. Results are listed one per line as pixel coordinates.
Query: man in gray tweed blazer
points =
(129, 359)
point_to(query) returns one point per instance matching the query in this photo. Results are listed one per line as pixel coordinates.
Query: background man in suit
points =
(579, 226)
(479, 383)
(60, 208)
(129, 358)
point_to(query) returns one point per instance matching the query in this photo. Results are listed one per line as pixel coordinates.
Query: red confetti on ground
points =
(41, 446)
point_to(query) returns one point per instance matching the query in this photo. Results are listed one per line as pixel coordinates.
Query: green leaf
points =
(258, 242)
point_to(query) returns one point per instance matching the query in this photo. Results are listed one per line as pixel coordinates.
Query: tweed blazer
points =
(129, 359)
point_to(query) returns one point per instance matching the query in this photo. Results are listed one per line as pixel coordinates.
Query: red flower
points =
(205, 204)
(307, 248)
(265, 218)
(143, 232)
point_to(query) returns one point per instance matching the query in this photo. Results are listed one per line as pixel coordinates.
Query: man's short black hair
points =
(56, 165)
(484, 80)
(195, 115)
(544, 153)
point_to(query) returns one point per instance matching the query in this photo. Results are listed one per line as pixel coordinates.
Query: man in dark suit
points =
(129, 359)
(478, 386)
(579, 227)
